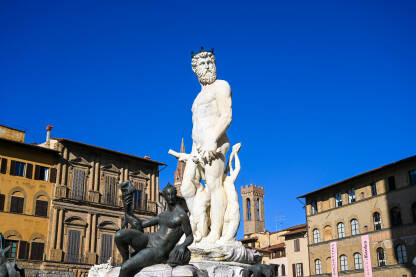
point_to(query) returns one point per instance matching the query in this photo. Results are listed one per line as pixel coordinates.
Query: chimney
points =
(48, 133)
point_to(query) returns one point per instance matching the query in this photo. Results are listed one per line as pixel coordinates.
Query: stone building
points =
(27, 178)
(296, 242)
(253, 209)
(67, 200)
(374, 211)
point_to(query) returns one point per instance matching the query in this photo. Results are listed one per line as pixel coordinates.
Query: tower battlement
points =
(252, 188)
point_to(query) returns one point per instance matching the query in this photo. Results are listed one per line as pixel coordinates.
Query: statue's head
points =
(203, 65)
(169, 193)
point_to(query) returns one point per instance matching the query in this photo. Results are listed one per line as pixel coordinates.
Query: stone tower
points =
(253, 209)
(180, 168)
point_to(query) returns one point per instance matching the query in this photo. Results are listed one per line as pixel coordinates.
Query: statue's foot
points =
(212, 238)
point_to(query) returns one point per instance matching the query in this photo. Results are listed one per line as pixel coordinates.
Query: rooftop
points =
(29, 146)
(359, 176)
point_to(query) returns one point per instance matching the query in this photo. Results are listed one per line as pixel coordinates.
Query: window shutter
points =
(1, 202)
(41, 208)
(301, 269)
(23, 250)
(37, 251)
(14, 204)
(12, 167)
(73, 246)
(3, 167)
(78, 184)
(29, 171)
(106, 247)
(293, 270)
(20, 203)
(53, 175)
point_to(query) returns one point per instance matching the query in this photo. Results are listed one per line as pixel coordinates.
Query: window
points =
(110, 191)
(23, 250)
(354, 227)
(2, 202)
(392, 183)
(412, 177)
(413, 211)
(318, 266)
(338, 200)
(377, 221)
(396, 217)
(16, 204)
(78, 184)
(373, 189)
(298, 268)
(258, 209)
(314, 207)
(327, 233)
(41, 173)
(401, 254)
(248, 209)
(3, 166)
(341, 230)
(351, 196)
(13, 248)
(381, 259)
(17, 168)
(36, 251)
(52, 178)
(344, 262)
(106, 247)
(296, 245)
(137, 199)
(283, 270)
(41, 208)
(72, 254)
(316, 237)
(358, 261)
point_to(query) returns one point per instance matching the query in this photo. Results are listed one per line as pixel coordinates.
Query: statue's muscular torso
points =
(206, 113)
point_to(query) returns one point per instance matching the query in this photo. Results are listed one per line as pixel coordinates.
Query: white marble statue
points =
(215, 204)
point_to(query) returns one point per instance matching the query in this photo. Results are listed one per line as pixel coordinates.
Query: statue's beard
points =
(208, 77)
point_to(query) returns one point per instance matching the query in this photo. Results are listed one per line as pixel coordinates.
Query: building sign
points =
(365, 244)
(334, 259)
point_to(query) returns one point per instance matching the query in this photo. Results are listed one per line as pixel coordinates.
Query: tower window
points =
(248, 209)
(258, 209)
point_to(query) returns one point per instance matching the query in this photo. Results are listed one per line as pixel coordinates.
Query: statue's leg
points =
(130, 237)
(190, 183)
(144, 258)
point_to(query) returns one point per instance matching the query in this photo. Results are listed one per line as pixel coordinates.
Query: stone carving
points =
(211, 117)
(9, 268)
(153, 248)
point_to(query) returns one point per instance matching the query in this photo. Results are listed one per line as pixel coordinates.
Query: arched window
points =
(248, 209)
(341, 230)
(358, 261)
(41, 208)
(283, 270)
(327, 233)
(17, 202)
(258, 209)
(381, 258)
(396, 217)
(414, 211)
(377, 221)
(344, 262)
(316, 236)
(354, 227)
(401, 254)
(318, 266)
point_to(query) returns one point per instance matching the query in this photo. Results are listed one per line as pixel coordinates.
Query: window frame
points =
(381, 261)
(341, 230)
(318, 266)
(358, 261)
(377, 224)
(412, 177)
(343, 262)
(401, 254)
(355, 228)
(316, 236)
(351, 196)
(314, 207)
(373, 189)
(338, 200)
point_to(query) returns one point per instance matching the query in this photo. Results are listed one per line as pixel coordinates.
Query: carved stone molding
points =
(94, 196)
(56, 255)
(61, 192)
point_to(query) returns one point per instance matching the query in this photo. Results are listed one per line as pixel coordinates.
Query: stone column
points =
(53, 228)
(64, 168)
(60, 225)
(88, 235)
(93, 232)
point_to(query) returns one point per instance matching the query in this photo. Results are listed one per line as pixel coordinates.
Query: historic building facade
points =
(374, 211)
(296, 241)
(87, 208)
(27, 178)
(60, 205)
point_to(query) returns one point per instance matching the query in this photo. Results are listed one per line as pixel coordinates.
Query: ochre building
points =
(378, 206)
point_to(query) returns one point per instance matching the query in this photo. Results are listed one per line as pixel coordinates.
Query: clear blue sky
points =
(322, 90)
